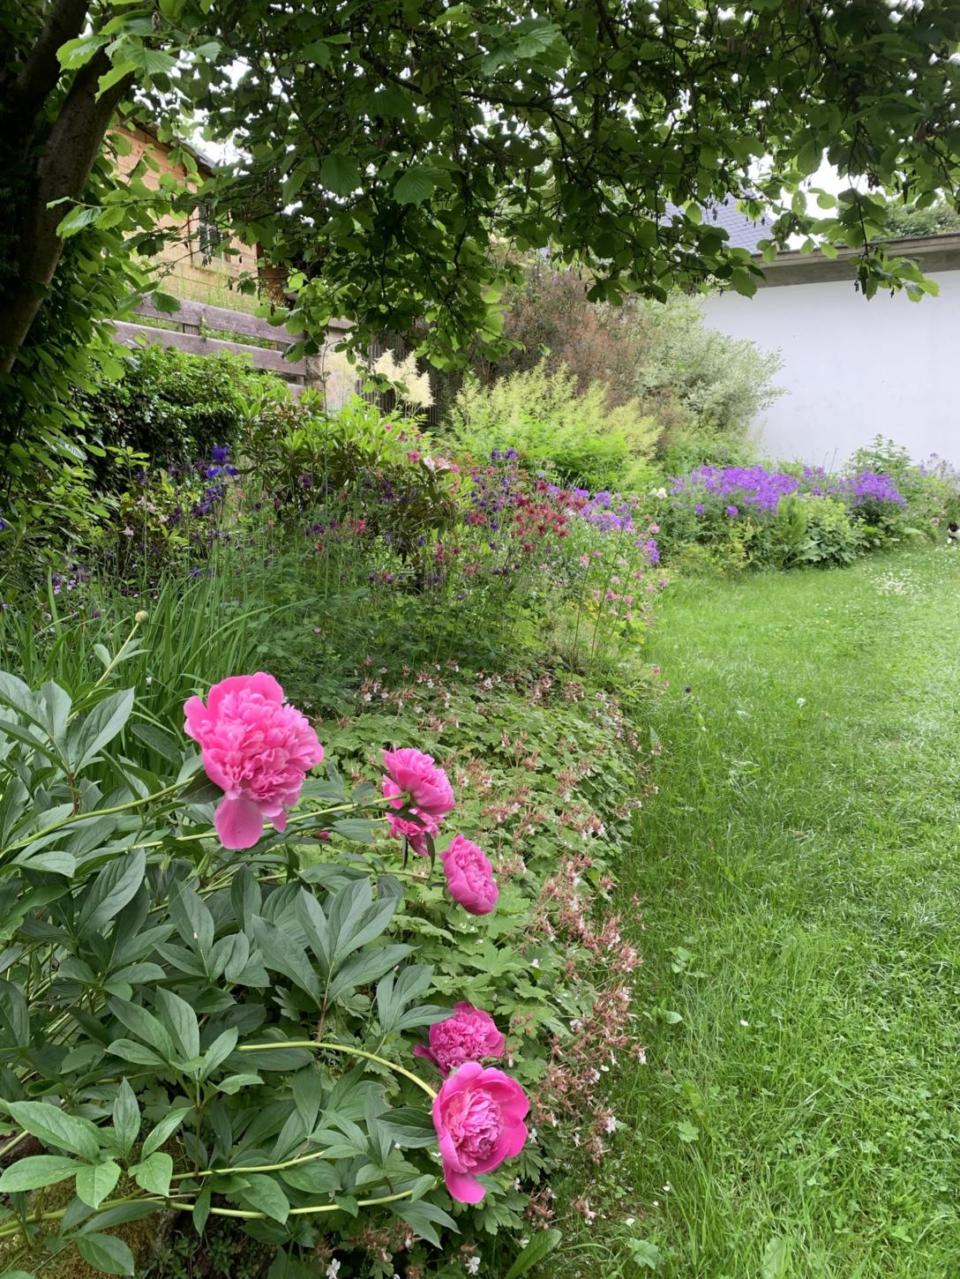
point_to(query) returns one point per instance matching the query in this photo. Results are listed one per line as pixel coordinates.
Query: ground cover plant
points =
(797, 886)
(787, 516)
(183, 1018)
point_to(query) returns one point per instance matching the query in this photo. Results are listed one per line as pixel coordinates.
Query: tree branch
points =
(41, 71)
(62, 173)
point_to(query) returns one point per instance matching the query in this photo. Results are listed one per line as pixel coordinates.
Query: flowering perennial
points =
(478, 1115)
(470, 1034)
(470, 876)
(257, 749)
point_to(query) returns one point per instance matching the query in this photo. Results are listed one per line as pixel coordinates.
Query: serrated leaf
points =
(339, 174)
(415, 185)
(75, 53)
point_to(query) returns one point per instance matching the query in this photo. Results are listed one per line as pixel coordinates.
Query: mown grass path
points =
(799, 871)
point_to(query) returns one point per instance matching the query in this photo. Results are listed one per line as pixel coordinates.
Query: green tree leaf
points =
(339, 173)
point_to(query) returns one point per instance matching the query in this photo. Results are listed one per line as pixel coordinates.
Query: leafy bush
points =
(781, 518)
(931, 489)
(175, 407)
(722, 382)
(233, 1033)
(541, 415)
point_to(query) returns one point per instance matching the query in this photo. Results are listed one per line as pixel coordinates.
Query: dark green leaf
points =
(540, 1246)
(264, 1194)
(106, 1253)
(54, 1127)
(115, 885)
(153, 1173)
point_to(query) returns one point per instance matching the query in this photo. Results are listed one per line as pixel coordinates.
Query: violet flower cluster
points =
(737, 490)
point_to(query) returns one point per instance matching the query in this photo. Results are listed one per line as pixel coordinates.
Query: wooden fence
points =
(197, 325)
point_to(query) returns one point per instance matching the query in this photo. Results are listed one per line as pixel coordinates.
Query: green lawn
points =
(799, 871)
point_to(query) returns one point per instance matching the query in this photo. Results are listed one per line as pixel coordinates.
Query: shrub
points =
(542, 416)
(931, 489)
(175, 407)
(782, 518)
(722, 382)
(234, 1033)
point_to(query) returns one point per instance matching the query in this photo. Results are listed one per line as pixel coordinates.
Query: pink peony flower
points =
(415, 783)
(468, 1035)
(414, 831)
(256, 749)
(470, 876)
(478, 1114)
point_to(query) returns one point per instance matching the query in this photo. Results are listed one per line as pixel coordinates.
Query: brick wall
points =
(191, 272)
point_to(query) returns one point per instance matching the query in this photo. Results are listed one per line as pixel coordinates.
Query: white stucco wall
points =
(854, 369)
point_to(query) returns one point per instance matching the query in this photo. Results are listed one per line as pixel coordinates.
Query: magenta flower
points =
(478, 1114)
(414, 782)
(470, 876)
(415, 832)
(468, 1035)
(257, 749)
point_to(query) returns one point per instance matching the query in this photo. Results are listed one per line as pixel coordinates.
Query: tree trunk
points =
(61, 172)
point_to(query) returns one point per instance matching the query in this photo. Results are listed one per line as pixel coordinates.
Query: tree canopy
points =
(402, 154)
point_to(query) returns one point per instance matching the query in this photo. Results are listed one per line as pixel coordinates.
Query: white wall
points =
(852, 368)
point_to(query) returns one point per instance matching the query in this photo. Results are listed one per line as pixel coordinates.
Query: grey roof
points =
(742, 231)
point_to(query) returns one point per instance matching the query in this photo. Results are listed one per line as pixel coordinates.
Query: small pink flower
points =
(470, 876)
(469, 1035)
(257, 749)
(478, 1114)
(416, 783)
(414, 832)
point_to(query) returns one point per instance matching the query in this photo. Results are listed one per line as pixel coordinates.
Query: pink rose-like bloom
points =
(478, 1114)
(256, 749)
(415, 832)
(470, 876)
(468, 1035)
(415, 782)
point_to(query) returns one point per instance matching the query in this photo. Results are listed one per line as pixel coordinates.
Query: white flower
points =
(611, 1124)
(333, 1269)
(473, 1266)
